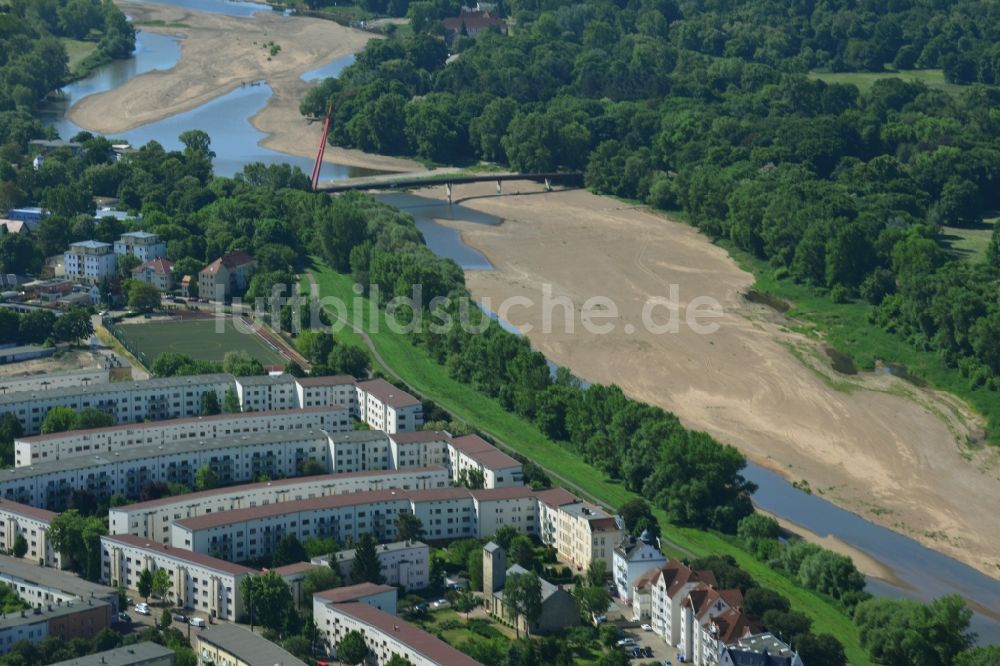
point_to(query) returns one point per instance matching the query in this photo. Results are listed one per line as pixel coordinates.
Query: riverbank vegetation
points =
(713, 109)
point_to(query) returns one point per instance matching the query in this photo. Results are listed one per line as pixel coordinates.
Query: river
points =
(924, 573)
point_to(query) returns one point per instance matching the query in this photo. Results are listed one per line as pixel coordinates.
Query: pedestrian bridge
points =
(449, 182)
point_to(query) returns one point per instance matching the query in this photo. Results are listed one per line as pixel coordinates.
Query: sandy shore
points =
(882, 448)
(218, 54)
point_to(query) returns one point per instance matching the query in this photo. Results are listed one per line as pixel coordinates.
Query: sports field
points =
(198, 338)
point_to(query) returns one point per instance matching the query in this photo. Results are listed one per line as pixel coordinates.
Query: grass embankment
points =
(431, 380)
(932, 78)
(847, 328)
(78, 51)
(969, 244)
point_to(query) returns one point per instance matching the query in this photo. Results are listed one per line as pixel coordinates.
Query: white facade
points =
(90, 261)
(579, 531)
(446, 513)
(77, 443)
(32, 524)
(386, 635)
(667, 594)
(200, 583)
(632, 558)
(472, 452)
(43, 586)
(127, 402)
(142, 245)
(267, 392)
(154, 519)
(404, 564)
(385, 407)
(234, 459)
(334, 390)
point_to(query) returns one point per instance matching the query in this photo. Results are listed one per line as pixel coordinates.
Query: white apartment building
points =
(472, 452)
(632, 558)
(76, 443)
(200, 582)
(579, 531)
(404, 564)
(360, 451)
(153, 519)
(142, 245)
(708, 617)
(262, 393)
(82, 619)
(385, 634)
(41, 586)
(158, 272)
(385, 407)
(332, 390)
(127, 402)
(32, 524)
(446, 513)
(90, 261)
(225, 644)
(234, 459)
(54, 380)
(668, 592)
(420, 449)
(381, 597)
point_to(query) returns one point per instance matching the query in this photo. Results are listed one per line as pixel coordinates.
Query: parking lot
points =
(643, 639)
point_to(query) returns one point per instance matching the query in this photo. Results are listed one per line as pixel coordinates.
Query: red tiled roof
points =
(340, 595)
(296, 568)
(332, 380)
(419, 641)
(494, 459)
(388, 394)
(494, 494)
(170, 422)
(420, 436)
(230, 260)
(733, 597)
(229, 490)
(26, 511)
(179, 554)
(158, 266)
(556, 497)
(472, 444)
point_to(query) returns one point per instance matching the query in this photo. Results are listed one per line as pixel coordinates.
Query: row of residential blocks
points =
(239, 451)
(376, 402)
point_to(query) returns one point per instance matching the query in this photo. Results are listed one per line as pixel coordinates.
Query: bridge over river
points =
(449, 181)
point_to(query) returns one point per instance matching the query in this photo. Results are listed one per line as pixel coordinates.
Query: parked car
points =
(647, 627)
(440, 603)
(142, 609)
(625, 641)
(180, 617)
(125, 618)
(647, 651)
(198, 622)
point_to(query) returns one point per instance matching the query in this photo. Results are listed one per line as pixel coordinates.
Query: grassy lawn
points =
(77, 50)
(934, 78)
(431, 381)
(846, 327)
(969, 244)
(198, 339)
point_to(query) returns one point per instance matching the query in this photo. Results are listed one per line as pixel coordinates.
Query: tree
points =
(464, 602)
(143, 296)
(591, 600)
(409, 527)
(197, 142)
(820, 650)
(352, 648)
(288, 550)
(145, 584)
(472, 478)
(980, 656)
(759, 600)
(474, 568)
(522, 551)
(347, 359)
(210, 404)
(241, 364)
(788, 625)
(397, 660)
(231, 402)
(160, 583)
(58, 419)
(320, 579)
(366, 567)
(206, 478)
(73, 326)
(900, 631)
(268, 600)
(832, 574)
(596, 573)
(315, 345)
(88, 418)
(20, 546)
(522, 594)
(504, 535)
(637, 515)
(10, 429)
(166, 619)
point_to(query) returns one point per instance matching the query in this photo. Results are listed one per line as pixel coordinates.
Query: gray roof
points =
(52, 578)
(133, 234)
(492, 547)
(91, 244)
(248, 647)
(141, 385)
(167, 448)
(129, 655)
(359, 436)
(47, 613)
(266, 379)
(548, 589)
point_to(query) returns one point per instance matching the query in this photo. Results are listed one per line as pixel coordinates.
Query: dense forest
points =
(708, 107)
(33, 60)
